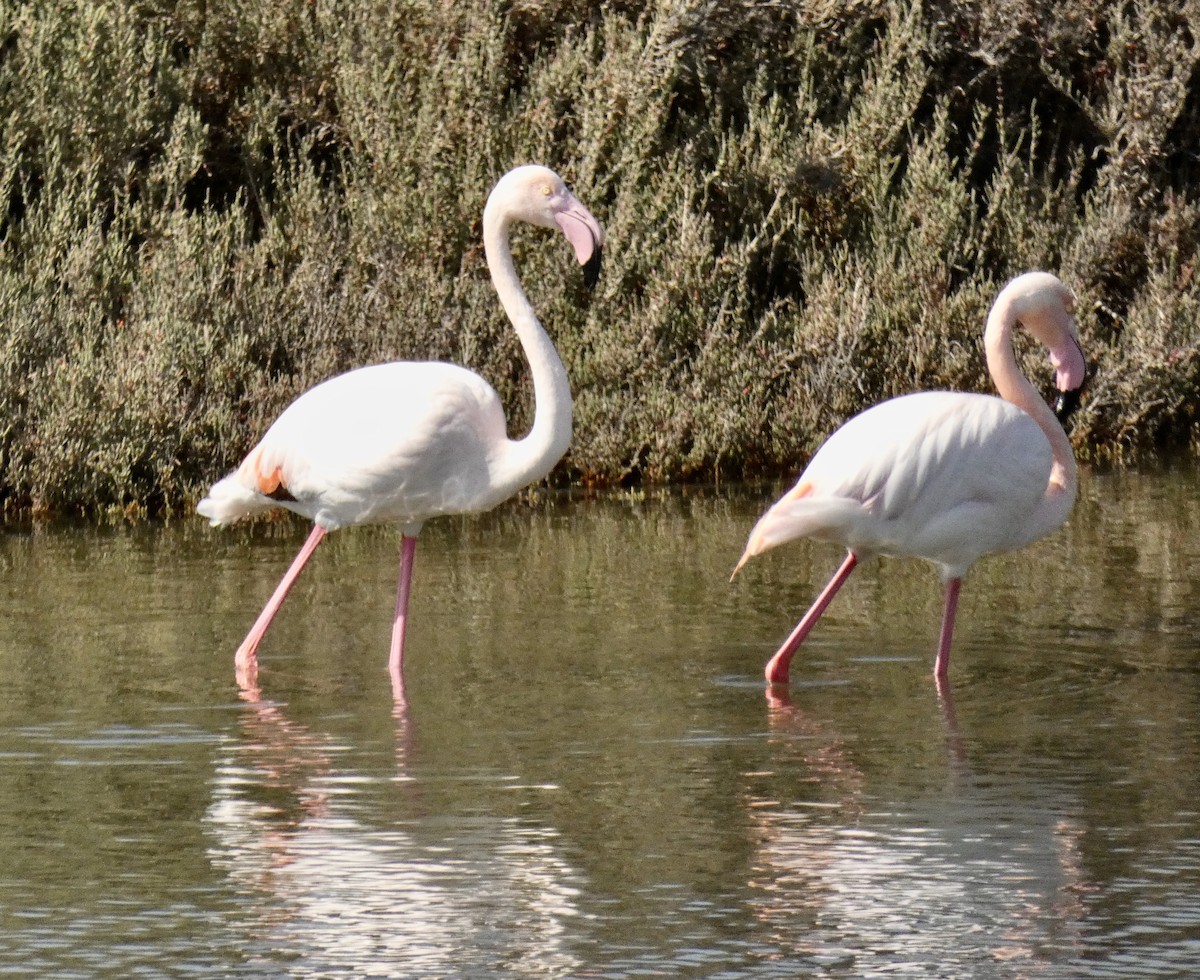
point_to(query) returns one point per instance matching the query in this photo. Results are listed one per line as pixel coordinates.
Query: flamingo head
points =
(1046, 308)
(538, 196)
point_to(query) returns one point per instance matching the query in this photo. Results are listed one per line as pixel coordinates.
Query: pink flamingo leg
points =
(941, 666)
(246, 658)
(408, 548)
(777, 667)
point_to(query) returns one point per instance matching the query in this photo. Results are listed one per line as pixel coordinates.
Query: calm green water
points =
(585, 776)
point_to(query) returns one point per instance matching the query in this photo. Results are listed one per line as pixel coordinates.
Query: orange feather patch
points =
(269, 483)
(798, 492)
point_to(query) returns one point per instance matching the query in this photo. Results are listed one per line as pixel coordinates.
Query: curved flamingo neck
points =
(1014, 387)
(520, 462)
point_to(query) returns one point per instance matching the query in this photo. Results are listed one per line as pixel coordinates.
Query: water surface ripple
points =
(584, 775)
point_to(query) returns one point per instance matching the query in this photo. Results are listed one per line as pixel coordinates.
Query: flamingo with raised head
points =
(944, 476)
(403, 442)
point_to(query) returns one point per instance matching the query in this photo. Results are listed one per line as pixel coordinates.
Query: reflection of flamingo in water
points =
(825, 758)
(404, 442)
(271, 730)
(830, 761)
(845, 875)
(954, 736)
(287, 757)
(944, 476)
(341, 887)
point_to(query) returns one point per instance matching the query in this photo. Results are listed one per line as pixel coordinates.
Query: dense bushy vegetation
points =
(207, 206)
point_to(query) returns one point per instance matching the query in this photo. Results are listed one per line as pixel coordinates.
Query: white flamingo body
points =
(408, 441)
(931, 488)
(391, 443)
(944, 476)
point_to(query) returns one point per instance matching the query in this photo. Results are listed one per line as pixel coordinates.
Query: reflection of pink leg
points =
(941, 666)
(408, 548)
(777, 668)
(246, 658)
(247, 681)
(404, 735)
(399, 701)
(945, 695)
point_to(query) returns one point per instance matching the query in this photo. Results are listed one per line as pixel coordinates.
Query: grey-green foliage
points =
(210, 206)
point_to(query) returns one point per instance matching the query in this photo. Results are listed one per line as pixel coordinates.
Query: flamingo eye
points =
(546, 190)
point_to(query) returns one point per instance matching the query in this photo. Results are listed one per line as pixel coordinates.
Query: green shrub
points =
(209, 207)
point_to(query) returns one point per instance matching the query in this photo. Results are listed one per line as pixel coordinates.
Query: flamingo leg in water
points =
(408, 548)
(246, 658)
(777, 667)
(941, 666)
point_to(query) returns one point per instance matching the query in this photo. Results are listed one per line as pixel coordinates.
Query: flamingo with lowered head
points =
(944, 476)
(403, 442)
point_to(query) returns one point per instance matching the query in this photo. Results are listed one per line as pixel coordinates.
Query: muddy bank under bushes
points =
(208, 207)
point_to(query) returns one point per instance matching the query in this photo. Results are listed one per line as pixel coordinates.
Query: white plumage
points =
(930, 489)
(398, 443)
(944, 476)
(408, 441)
